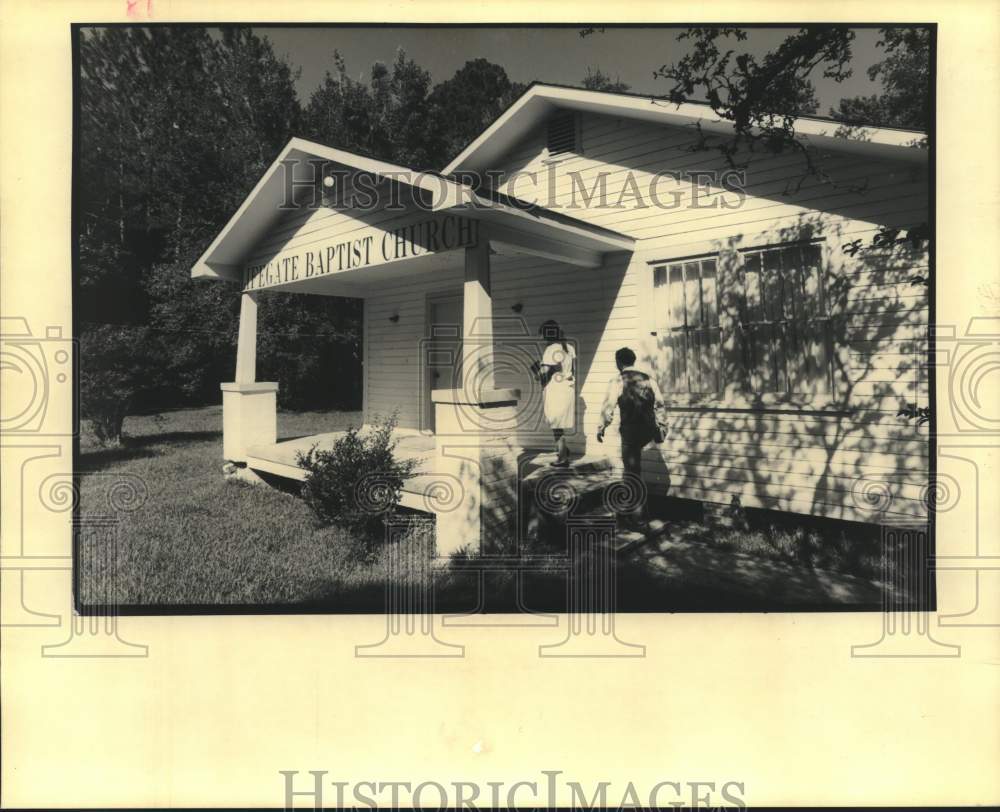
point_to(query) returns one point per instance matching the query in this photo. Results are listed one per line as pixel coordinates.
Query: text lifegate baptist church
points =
(375, 246)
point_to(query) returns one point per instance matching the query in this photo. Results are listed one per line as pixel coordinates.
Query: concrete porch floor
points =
(584, 474)
(280, 459)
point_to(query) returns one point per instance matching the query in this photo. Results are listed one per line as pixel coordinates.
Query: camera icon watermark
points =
(967, 361)
(957, 547)
(37, 372)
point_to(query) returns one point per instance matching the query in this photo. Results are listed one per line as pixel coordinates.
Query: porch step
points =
(556, 499)
(577, 489)
(280, 458)
(627, 540)
(535, 464)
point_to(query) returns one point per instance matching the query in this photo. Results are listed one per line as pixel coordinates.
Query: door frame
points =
(430, 301)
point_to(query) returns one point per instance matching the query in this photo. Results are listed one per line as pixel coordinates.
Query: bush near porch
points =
(356, 485)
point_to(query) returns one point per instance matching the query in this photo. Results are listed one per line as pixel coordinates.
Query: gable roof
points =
(554, 233)
(541, 99)
(261, 208)
(581, 241)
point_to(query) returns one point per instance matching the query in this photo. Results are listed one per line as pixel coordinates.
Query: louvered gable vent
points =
(562, 134)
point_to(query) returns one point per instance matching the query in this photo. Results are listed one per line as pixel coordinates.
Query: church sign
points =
(374, 246)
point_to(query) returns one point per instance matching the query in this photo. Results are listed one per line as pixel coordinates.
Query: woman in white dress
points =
(557, 374)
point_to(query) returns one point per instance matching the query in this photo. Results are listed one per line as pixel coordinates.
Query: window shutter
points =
(562, 134)
(785, 324)
(686, 300)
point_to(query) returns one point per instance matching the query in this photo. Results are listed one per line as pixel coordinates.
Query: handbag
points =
(659, 432)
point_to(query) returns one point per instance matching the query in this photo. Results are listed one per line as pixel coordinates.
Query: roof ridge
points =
(805, 116)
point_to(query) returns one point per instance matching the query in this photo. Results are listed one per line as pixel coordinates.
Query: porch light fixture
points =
(517, 308)
(394, 318)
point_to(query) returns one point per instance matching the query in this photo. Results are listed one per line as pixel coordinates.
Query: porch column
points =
(476, 455)
(477, 317)
(246, 341)
(249, 407)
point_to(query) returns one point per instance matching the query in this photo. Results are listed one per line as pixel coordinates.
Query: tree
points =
(142, 134)
(905, 75)
(385, 119)
(166, 145)
(177, 124)
(311, 345)
(339, 112)
(254, 91)
(462, 107)
(763, 95)
(176, 127)
(114, 369)
(596, 79)
(406, 120)
(397, 116)
(760, 96)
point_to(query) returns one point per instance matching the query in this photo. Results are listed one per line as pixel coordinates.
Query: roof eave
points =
(258, 212)
(535, 102)
(262, 205)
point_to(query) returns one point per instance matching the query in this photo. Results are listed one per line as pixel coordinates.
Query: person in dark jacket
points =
(641, 409)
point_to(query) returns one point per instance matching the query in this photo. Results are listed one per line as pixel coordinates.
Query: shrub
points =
(357, 484)
(116, 364)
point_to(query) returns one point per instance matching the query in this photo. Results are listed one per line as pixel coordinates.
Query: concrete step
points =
(557, 498)
(626, 540)
(534, 464)
(581, 483)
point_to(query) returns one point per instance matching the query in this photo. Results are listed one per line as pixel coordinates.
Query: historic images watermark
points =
(588, 629)
(44, 368)
(327, 184)
(550, 789)
(441, 210)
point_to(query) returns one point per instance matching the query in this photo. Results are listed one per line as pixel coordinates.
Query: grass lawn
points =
(201, 539)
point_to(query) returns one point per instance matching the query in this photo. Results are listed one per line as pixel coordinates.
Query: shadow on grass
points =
(143, 446)
(292, 487)
(174, 438)
(292, 437)
(98, 458)
(693, 578)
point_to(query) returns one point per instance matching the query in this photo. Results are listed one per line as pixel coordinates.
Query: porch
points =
(468, 438)
(281, 459)
(546, 497)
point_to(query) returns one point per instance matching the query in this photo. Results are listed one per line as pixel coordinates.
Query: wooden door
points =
(443, 357)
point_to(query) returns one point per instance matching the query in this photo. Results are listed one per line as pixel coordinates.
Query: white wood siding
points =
(393, 374)
(862, 462)
(858, 462)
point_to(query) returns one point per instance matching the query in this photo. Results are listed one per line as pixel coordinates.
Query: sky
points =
(557, 55)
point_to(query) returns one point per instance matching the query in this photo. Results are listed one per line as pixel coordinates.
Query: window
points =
(687, 308)
(771, 311)
(784, 320)
(562, 135)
